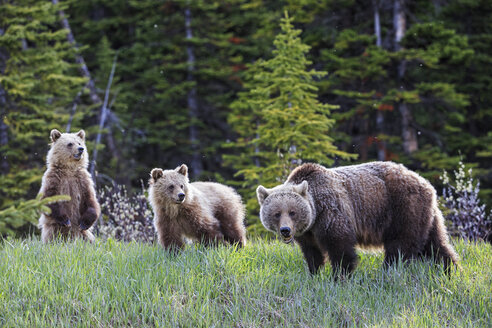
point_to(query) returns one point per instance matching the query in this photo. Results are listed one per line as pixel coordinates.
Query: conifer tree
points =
(367, 82)
(280, 122)
(38, 83)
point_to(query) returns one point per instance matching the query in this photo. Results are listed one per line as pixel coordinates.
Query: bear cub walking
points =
(205, 211)
(67, 174)
(330, 211)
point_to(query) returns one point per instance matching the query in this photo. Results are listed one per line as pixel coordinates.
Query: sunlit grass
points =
(266, 284)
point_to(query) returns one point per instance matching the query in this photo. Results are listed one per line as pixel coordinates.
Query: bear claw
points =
(65, 222)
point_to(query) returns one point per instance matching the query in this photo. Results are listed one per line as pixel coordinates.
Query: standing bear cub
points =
(204, 211)
(330, 211)
(67, 174)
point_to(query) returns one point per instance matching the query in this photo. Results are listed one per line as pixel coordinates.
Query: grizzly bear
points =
(205, 211)
(67, 174)
(330, 211)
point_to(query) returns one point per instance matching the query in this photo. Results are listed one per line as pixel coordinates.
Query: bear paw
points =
(88, 219)
(84, 226)
(65, 222)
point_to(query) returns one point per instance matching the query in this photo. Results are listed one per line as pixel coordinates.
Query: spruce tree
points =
(38, 83)
(279, 121)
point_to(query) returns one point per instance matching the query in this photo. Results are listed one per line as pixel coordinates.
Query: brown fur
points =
(210, 212)
(330, 211)
(67, 174)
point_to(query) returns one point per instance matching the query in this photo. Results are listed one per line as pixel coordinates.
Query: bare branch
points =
(79, 59)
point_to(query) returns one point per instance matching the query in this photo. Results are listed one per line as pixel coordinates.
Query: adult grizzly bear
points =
(330, 211)
(67, 174)
(205, 211)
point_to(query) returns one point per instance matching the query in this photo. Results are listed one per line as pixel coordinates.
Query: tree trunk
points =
(196, 163)
(380, 144)
(377, 23)
(409, 135)
(4, 132)
(102, 121)
(4, 129)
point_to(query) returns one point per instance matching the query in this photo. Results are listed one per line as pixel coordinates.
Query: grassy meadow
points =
(266, 284)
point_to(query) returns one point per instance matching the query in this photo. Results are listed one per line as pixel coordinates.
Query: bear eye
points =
(171, 187)
(277, 215)
(292, 213)
(181, 186)
(70, 144)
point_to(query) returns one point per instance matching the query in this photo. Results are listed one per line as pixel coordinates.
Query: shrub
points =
(125, 218)
(467, 216)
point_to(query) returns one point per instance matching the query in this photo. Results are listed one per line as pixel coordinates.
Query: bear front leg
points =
(343, 257)
(169, 237)
(90, 209)
(171, 244)
(312, 253)
(59, 215)
(211, 237)
(88, 218)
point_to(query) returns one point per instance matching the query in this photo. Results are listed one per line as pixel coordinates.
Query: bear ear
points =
(183, 169)
(156, 173)
(302, 189)
(81, 134)
(262, 194)
(55, 135)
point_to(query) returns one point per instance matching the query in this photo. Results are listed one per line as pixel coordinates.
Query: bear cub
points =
(67, 174)
(330, 211)
(205, 211)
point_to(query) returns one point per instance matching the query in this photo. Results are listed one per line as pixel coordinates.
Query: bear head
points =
(67, 150)
(170, 186)
(286, 209)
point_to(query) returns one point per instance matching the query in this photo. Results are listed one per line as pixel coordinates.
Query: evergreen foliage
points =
(280, 122)
(15, 217)
(197, 82)
(365, 83)
(39, 82)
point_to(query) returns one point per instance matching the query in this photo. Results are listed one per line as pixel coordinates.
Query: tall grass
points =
(266, 284)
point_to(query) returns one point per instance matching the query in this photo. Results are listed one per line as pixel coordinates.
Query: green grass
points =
(266, 284)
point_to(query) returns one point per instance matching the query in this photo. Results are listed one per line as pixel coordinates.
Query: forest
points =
(243, 91)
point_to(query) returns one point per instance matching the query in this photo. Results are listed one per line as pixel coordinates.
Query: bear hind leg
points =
(438, 247)
(52, 232)
(235, 234)
(395, 251)
(232, 227)
(88, 236)
(47, 233)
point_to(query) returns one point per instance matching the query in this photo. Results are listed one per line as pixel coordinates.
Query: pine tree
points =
(279, 121)
(38, 83)
(474, 20)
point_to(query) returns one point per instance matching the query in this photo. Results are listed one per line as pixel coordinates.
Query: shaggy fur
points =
(207, 211)
(330, 211)
(67, 174)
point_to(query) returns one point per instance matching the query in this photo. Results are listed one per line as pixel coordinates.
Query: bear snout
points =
(285, 232)
(80, 149)
(181, 196)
